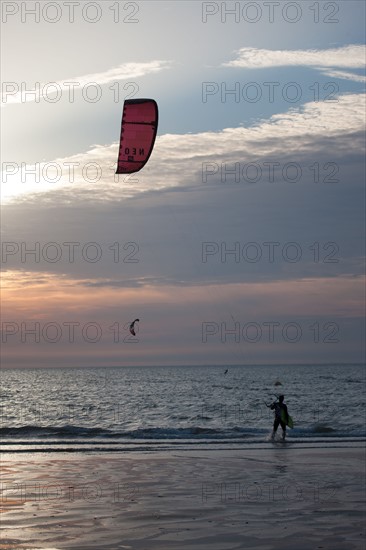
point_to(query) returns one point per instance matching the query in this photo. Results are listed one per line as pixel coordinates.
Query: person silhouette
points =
(281, 416)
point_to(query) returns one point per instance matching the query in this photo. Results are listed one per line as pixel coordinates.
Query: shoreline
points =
(153, 446)
(281, 497)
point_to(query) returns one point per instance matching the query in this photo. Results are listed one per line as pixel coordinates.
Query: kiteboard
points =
(288, 421)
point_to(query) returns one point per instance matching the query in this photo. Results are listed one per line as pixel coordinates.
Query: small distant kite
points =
(138, 133)
(132, 327)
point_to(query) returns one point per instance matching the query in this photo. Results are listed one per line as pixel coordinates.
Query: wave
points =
(53, 431)
(322, 429)
(192, 432)
(46, 433)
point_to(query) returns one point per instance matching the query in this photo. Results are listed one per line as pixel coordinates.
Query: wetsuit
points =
(280, 410)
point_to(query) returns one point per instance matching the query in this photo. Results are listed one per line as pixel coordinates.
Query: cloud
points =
(174, 320)
(169, 211)
(336, 296)
(344, 75)
(351, 56)
(126, 71)
(179, 160)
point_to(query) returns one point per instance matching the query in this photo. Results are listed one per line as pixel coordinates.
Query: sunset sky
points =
(241, 241)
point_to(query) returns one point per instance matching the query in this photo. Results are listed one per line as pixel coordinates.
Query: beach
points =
(264, 498)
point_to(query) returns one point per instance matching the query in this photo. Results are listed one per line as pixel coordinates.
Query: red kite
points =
(138, 133)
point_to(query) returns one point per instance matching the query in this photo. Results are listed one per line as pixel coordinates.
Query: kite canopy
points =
(138, 132)
(132, 326)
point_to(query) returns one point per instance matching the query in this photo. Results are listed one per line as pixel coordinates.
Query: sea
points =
(147, 409)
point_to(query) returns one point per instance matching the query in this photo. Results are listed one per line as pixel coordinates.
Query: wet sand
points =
(264, 499)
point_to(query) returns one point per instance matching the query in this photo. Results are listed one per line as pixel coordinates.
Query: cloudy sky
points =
(241, 241)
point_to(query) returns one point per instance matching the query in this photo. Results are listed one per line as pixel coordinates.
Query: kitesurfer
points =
(281, 416)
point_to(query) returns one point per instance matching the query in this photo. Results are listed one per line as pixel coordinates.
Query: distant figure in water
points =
(281, 416)
(227, 370)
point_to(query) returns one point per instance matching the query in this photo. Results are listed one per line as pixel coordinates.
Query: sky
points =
(242, 240)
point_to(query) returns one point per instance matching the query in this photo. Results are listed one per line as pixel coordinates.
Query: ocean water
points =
(162, 408)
